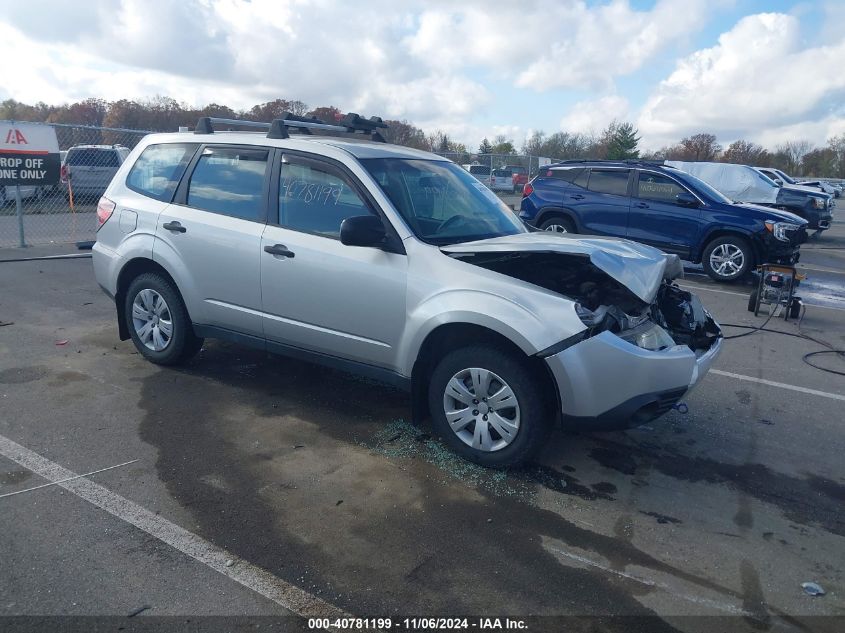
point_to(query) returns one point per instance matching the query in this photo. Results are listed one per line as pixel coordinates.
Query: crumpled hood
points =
(638, 267)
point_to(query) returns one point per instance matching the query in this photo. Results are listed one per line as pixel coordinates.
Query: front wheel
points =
(158, 321)
(727, 258)
(488, 406)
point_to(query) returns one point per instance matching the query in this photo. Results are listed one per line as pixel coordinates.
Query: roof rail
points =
(351, 124)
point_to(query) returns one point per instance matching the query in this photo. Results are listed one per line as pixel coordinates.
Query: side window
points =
(609, 181)
(316, 199)
(568, 175)
(658, 188)
(159, 168)
(581, 179)
(230, 181)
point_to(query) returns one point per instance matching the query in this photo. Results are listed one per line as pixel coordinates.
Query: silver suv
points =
(399, 265)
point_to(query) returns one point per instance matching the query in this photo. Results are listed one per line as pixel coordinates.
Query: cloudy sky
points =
(764, 70)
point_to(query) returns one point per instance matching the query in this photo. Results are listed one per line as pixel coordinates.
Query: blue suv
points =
(663, 207)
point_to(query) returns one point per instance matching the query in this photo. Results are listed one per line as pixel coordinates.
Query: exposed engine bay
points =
(604, 304)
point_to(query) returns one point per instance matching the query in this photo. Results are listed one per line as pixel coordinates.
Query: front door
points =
(319, 294)
(659, 220)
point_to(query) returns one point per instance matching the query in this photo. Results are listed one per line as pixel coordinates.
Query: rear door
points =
(319, 294)
(210, 237)
(657, 219)
(604, 206)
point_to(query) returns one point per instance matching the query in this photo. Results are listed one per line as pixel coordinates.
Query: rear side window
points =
(159, 169)
(92, 157)
(614, 182)
(229, 181)
(658, 188)
(569, 175)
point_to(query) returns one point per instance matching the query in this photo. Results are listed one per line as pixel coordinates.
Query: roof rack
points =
(351, 124)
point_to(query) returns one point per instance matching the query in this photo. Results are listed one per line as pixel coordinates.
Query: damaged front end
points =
(604, 304)
(645, 341)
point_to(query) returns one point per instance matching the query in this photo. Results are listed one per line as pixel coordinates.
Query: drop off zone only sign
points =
(29, 154)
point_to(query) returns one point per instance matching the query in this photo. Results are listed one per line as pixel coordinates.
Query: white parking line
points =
(290, 597)
(721, 606)
(781, 385)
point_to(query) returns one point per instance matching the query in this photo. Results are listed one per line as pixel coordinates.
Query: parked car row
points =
(781, 179)
(666, 207)
(509, 179)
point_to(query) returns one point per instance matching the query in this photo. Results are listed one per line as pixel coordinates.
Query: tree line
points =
(619, 140)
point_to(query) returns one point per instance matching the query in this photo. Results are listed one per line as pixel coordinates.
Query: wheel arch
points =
(131, 270)
(548, 212)
(716, 233)
(449, 336)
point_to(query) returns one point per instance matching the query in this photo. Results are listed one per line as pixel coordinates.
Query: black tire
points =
(535, 418)
(183, 343)
(558, 220)
(731, 241)
(752, 301)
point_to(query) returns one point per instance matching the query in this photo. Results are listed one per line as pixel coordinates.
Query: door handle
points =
(174, 226)
(641, 205)
(577, 196)
(279, 249)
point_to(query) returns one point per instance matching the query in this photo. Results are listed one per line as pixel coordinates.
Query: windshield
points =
(706, 189)
(441, 202)
(787, 179)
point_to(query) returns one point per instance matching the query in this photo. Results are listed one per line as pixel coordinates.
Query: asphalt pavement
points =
(317, 480)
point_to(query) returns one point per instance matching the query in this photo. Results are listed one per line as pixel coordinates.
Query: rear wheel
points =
(488, 406)
(727, 258)
(558, 224)
(158, 321)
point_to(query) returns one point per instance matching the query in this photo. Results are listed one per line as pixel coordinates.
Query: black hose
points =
(762, 328)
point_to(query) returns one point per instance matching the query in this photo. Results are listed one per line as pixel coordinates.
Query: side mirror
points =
(686, 199)
(362, 230)
(778, 182)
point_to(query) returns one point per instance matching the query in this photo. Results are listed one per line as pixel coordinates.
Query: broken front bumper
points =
(607, 383)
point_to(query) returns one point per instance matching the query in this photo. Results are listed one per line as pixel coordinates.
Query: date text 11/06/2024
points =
(418, 624)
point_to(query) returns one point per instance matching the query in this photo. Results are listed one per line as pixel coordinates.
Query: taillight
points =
(527, 190)
(105, 208)
(64, 173)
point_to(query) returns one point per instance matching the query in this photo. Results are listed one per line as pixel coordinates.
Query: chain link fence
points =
(66, 212)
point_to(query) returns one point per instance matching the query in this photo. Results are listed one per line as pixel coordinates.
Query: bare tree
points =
(794, 152)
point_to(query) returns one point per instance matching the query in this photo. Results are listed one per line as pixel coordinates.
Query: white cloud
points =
(544, 45)
(594, 115)
(759, 78)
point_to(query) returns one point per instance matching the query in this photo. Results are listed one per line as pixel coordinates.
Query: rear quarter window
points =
(568, 175)
(159, 169)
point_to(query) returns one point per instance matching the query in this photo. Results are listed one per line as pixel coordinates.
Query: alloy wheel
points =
(152, 320)
(727, 259)
(556, 228)
(481, 409)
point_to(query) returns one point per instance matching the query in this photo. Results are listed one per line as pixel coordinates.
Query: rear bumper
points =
(607, 383)
(107, 265)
